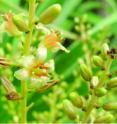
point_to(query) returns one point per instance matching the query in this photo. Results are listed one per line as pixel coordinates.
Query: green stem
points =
(27, 51)
(30, 25)
(24, 102)
(89, 108)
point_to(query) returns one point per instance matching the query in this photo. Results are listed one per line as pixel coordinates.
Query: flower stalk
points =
(27, 51)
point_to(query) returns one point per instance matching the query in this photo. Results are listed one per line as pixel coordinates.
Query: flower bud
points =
(110, 106)
(85, 72)
(105, 49)
(69, 109)
(100, 91)
(94, 81)
(7, 85)
(50, 14)
(21, 74)
(20, 23)
(77, 100)
(10, 26)
(112, 83)
(10, 89)
(105, 118)
(98, 61)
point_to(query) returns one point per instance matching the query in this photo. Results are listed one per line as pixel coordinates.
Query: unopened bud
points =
(94, 81)
(100, 91)
(85, 72)
(105, 50)
(10, 26)
(10, 89)
(105, 118)
(77, 100)
(112, 83)
(7, 85)
(21, 74)
(69, 109)
(98, 61)
(50, 14)
(110, 106)
(20, 23)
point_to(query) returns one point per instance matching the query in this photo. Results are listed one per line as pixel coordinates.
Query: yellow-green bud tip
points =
(50, 14)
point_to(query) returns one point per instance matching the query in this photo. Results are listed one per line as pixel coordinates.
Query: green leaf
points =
(67, 63)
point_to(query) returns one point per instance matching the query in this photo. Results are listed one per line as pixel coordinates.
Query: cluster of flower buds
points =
(82, 26)
(100, 84)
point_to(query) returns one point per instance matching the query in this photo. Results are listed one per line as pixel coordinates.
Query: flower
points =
(35, 69)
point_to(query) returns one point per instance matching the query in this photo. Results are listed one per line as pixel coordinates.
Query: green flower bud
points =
(105, 49)
(100, 91)
(112, 83)
(110, 106)
(105, 118)
(69, 109)
(98, 61)
(85, 72)
(21, 74)
(20, 23)
(50, 14)
(76, 100)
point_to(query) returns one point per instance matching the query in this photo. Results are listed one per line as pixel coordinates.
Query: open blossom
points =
(50, 39)
(35, 69)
